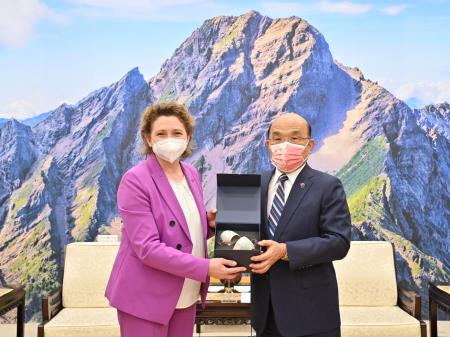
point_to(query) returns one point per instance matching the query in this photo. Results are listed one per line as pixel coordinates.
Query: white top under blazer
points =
(191, 288)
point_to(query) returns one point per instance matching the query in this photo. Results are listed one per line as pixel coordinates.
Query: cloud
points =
(144, 9)
(18, 19)
(424, 92)
(394, 10)
(19, 109)
(283, 9)
(344, 7)
(133, 4)
(157, 10)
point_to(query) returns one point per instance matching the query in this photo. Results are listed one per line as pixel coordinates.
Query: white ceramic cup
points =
(244, 243)
(229, 237)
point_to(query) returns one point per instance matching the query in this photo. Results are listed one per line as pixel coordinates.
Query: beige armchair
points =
(80, 309)
(371, 304)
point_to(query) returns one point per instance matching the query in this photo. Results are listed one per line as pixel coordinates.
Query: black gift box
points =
(238, 210)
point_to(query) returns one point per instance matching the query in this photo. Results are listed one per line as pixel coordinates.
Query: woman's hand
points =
(211, 216)
(224, 269)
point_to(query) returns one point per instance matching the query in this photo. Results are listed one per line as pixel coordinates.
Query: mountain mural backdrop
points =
(58, 178)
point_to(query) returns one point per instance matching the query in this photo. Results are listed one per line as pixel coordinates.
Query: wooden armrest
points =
(411, 302)
(51, 304)
(12, 296)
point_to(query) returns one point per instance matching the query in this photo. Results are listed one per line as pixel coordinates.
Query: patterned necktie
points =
(277, 205)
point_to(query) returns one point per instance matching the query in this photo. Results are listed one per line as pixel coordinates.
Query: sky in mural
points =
(55, 51)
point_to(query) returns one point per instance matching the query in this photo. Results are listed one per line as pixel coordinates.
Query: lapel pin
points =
(302, 185)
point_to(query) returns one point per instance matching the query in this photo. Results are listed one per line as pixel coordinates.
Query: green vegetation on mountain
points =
(367, 163)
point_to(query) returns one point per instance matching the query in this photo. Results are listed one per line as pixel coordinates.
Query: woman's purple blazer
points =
(154, 256)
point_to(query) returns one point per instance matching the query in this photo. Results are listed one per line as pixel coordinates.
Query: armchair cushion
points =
(84, 322)
(378, 321)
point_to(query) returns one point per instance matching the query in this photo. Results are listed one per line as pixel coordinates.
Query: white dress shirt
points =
(191, 288)
(274, 182)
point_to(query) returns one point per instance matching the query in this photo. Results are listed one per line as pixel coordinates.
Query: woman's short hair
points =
(151, 114)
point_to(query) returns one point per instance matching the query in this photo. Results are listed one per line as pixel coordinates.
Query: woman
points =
(161, 267)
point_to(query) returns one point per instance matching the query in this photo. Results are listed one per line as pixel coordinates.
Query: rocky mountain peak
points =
(17, 145)
(131, 81)
(435, 119)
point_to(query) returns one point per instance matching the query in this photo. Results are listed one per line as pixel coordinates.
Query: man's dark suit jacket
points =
(315, 225)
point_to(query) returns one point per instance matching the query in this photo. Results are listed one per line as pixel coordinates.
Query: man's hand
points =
(264, 261)
(211, 216)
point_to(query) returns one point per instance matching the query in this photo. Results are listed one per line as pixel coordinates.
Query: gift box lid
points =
(238, 198)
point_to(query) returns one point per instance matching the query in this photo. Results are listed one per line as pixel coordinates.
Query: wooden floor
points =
(9, 330)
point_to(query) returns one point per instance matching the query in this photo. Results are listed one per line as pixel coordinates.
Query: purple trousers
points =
(181, 324)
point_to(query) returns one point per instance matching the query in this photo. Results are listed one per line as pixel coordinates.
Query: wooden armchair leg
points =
(40, 332)
(432, 312)
(423, 329)
(21, 319)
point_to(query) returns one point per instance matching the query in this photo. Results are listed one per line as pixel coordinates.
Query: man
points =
(306, 225)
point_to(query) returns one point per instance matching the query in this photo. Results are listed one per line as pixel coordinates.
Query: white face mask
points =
(170, 149)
